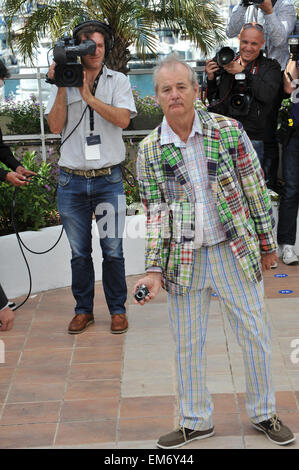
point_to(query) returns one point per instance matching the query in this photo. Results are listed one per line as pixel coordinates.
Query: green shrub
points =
(35, 204)
(24, 116)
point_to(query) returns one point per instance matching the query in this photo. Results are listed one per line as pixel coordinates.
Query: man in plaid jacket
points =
(209, 228)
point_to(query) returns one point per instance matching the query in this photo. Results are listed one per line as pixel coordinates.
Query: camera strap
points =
(254, 66)
(91, 111)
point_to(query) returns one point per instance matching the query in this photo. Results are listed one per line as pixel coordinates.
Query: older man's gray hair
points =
(172, 60)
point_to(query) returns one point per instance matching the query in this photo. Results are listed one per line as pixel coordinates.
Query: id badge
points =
(92, 147)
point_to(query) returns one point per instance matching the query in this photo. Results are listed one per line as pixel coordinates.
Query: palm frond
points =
(134, 22)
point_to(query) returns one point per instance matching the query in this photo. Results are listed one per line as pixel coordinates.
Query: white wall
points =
(52, 270)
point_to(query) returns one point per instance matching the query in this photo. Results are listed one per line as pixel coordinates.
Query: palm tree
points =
(134, 22)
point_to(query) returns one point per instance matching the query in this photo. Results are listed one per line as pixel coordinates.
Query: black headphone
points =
(104, 29)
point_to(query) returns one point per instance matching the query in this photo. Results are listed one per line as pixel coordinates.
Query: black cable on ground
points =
(22, 245)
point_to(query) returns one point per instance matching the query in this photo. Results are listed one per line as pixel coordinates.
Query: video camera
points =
(246, 3)
(241, 97)
(293, 42)
(68, 72)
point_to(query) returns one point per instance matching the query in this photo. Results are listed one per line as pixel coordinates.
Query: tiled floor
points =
(98, 390)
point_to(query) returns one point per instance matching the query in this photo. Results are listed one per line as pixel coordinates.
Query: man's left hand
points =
(85, 90)
(233, 68)
(268, 260)
(266, 7)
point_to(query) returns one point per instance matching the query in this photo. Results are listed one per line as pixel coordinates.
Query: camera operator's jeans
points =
(258, 146)
(288, 207)
(78, 198)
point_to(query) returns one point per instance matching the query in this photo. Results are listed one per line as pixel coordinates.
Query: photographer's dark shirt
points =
(263, 78)
(7, 158)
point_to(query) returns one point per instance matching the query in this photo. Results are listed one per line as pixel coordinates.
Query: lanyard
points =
(91, 111)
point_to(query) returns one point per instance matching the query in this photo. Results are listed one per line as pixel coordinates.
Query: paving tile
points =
(26, 436)
(141, 369)
(147, 407)
(294, 379)
(148, 386)
(227, 424)
(104, 339)
(84, 410)
(144, 428)
(52, 374)
(98, 370)
(11, 359)
(45, 357)
(13, 343)
(6, 374)
(224, 403)
(111, 352)
(148, 352)
(44, 327)
(92, 389)
(221, 382)
(50, 341)
(27, 392)
(26, 413)
(3, 391)
(91, 432)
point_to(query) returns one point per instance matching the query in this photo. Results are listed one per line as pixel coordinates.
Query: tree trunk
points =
(119, 56)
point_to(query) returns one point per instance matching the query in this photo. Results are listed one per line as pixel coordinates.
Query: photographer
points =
(18, 177)
(250, 102)
(278, 18)
(91, 118)
(288, 207)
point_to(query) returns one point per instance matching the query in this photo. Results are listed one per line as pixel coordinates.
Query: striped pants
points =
(216, 269)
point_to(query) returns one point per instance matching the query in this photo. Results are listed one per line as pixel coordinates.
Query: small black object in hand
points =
(141, 292)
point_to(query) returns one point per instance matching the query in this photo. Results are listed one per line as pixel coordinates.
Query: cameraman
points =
(288, 207)
(278, 18)
(90, 180)
(262, 78)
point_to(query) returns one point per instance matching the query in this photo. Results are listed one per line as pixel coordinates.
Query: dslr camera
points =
(293, 43)
(241, 97)
(224, 56)
(68, 72)
(246, 3)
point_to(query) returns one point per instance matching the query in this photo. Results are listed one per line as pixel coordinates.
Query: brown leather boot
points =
(119, 323)
(80, 322)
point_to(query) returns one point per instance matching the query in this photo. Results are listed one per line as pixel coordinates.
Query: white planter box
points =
(52, 270)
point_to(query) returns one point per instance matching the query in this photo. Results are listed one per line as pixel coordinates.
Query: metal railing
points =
(43, 137)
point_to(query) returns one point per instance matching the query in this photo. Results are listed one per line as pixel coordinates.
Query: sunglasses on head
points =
(253, 25)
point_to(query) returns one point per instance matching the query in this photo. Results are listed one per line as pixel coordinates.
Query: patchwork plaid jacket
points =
(238, 188)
